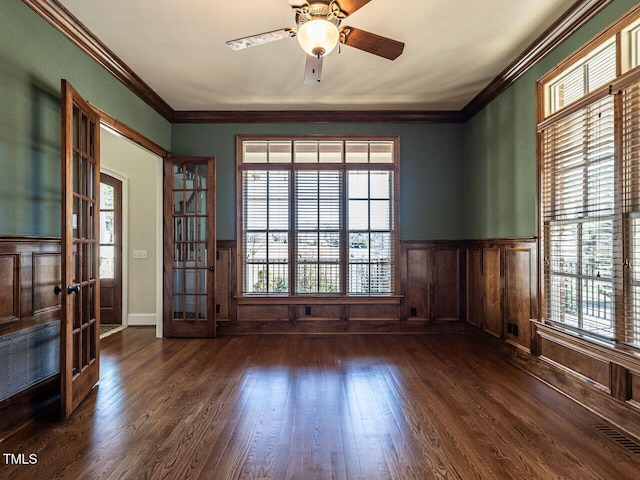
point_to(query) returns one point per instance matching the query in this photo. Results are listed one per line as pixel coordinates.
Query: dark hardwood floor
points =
(315, 407)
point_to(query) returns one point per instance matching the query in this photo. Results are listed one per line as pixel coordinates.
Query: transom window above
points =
(585, 76)
(318, 151)
(318, 216)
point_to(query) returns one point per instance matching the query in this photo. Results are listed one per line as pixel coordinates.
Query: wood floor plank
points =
(324, 407)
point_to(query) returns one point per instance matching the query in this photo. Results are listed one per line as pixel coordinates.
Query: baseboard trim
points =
(142, 319)
(304, 327)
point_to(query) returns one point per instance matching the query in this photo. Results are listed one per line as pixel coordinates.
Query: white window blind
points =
(318, 231)
(630, 324)
(583, 77)
(578, 218)
(370, 230)
(266, 231)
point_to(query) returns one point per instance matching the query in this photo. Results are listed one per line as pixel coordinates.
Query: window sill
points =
(318, 299)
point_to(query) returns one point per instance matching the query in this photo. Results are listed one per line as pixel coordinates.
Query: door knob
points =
(212, 268)
(73, 289)
(57, 290)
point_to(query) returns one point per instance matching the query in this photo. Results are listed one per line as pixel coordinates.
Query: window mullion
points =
(585, 207)
(580, 276)
(344, 232)
(318, 183)
(292, 265)
(266, 242)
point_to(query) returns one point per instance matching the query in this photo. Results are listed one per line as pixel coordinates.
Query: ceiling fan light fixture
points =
(318, 37)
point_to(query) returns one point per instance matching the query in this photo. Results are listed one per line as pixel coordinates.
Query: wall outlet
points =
(139, 254)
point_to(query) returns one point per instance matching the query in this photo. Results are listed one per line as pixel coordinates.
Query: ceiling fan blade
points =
(312, 69)
(350, 6)
(372, 43)
(259, 39)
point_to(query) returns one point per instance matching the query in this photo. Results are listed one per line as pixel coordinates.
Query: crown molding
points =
(66, 23)
(74, 30)
(317, 116)
(578, 15)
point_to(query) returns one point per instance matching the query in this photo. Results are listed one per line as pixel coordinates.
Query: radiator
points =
(28, 357)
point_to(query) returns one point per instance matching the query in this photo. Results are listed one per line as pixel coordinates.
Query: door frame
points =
(125, 243)
(120, 129)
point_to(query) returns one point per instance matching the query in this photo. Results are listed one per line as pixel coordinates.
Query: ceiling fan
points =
(318, 31)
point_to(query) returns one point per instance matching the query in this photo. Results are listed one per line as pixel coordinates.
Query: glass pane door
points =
(191, 258)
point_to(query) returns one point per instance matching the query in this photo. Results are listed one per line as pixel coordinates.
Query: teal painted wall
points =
(500, 176)
(476, 180)
(430, 169)
(34, 57)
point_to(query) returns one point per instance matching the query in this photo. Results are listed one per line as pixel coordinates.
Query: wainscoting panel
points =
(430, 280)
(594, 370)
(225, 280)
(318, 312)
(634, 389)
(447, 284)
(518, 295)
(475, 287)
(501, 286)
(29, 272)
(493, 291)
(46, 275)
(9, 287)
(416, 281)
(263, 312)
(29, 328)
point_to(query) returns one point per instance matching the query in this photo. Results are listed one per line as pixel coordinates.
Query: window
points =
(631, 46)
(584, 77)
(590, 191)
(318, 216)
(578, 208)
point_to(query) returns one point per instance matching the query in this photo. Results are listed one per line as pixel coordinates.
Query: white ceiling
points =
(453, 49)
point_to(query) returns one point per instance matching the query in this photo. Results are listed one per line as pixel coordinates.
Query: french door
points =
(189, 247)
(80, 328)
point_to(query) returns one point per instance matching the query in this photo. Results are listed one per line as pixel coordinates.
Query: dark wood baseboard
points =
(18, 411)
(324, 327)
